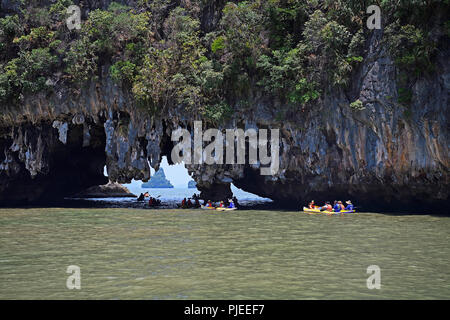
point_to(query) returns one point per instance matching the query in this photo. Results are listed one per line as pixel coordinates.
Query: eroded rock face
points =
(43, 163)
(380, 157)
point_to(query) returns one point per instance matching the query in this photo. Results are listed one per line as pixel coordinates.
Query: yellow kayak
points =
(207, 208)
(317, 211)
(225, 209)
(218, 208)
(312, 211)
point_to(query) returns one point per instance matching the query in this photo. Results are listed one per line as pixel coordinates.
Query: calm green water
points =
(196, 254)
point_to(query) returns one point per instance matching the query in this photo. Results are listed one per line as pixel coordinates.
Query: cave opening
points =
(42, 169)
(178, 176)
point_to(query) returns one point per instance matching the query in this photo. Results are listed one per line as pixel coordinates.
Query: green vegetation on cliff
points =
(290, 50)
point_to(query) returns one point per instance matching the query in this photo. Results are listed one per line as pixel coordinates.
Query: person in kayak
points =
(349, 206)
(189, 203)
(326, 207)
(209, 204)
(231, 205)
(142, 196)
(337, 206)
(183, 203)
(342, 206)
(311, 205)
(197, 203)
(221, 205)
(235, 201)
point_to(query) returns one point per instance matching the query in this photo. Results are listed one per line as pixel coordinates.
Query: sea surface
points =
(136, 253)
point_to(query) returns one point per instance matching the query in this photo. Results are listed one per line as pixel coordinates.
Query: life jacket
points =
(329, 207)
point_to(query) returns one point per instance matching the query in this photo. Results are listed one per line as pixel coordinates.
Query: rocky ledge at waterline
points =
(109, 190)
(381, 155)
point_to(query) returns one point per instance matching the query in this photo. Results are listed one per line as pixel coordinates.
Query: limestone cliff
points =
(380, 157)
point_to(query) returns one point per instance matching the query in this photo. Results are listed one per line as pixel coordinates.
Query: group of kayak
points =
(229, 204)
(186, 204)
(337, 208)
(232, 204)
(152, 202)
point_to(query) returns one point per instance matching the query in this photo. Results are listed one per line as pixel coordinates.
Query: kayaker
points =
(150, 202)
(183, 203)
(342, 206)
(209, 204)
(197, 203)
(221, 205)
(326, 207)
(349, 206)
(231, 205)
(337, 206)
(189, 203)
(235, 201)
(142, 196)
(311, 204)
